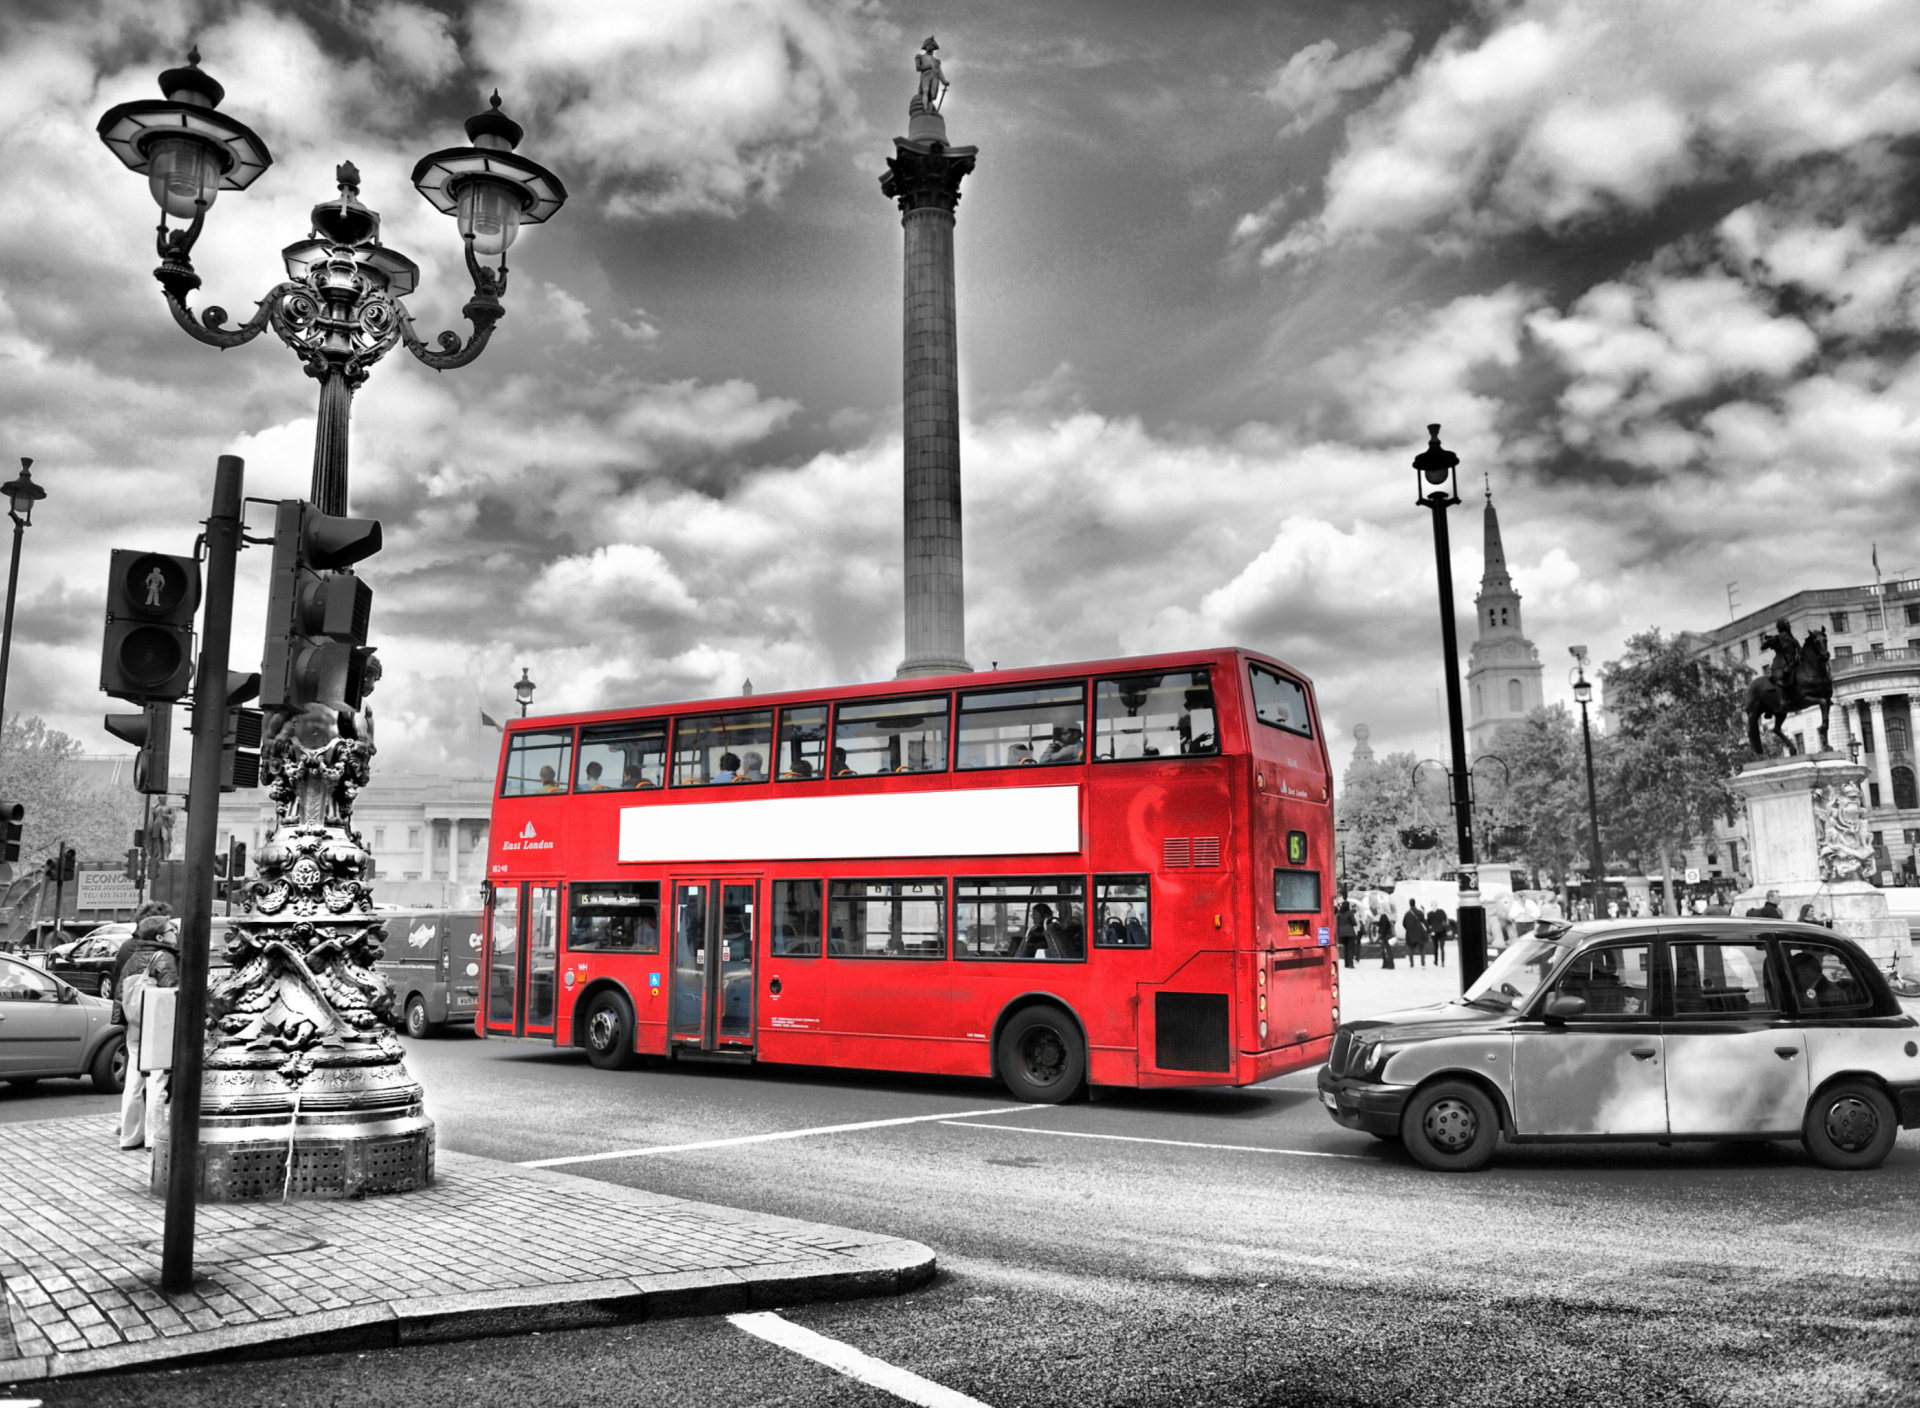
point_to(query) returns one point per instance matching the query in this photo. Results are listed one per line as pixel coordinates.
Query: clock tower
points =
(1503, 669)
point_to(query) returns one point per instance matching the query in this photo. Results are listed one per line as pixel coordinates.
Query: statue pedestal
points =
(1800, 843)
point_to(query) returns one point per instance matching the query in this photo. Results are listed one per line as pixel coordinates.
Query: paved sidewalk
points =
(489, 1249)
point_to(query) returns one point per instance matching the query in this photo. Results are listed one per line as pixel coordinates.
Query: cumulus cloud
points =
(1310, 86)
(679, 106)
(1549, 113)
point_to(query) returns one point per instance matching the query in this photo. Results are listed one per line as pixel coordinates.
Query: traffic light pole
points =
(196, 910)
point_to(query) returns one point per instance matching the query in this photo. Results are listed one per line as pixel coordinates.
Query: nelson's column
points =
(924, 176)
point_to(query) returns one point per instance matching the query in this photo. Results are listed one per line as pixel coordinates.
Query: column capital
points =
(926, 174)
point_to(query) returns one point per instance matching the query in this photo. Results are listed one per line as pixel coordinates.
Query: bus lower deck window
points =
(1122, 915)
(887, 919)
(1019, 916)
(1155, 716)
(796, 919)
(614, 917)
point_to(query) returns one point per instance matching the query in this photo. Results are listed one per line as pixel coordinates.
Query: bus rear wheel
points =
(1042, 1059)
(607, 1031)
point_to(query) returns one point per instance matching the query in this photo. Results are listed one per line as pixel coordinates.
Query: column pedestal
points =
(1808, 842)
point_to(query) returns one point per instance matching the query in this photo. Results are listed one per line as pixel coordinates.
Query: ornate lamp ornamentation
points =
(340, 308)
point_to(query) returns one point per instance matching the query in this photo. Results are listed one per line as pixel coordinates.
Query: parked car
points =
(48, 1027)
(88, 963)
(433, 961)
(1643, 1029)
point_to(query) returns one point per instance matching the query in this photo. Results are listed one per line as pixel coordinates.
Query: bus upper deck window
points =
(721, 748)
(1279, 701)
(623, 757)
(802, 744)
(1155, 716)
(538, 764)
(890, 735)
(1014, 727)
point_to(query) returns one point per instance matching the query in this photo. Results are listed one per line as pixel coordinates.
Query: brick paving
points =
(490, 1248)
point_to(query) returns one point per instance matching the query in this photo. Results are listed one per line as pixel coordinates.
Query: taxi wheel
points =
(1850, 1125)
(417, 1023)
(608, 1031)
(1042, 1059)
(1451, 1126)
(110, 1067)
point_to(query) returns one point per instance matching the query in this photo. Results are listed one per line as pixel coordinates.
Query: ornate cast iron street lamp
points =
(22, 494)
(340, 308)
(1436, 486)
(1583, 695)
(523, 690)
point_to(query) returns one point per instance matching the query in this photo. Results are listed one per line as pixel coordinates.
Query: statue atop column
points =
(933, 82)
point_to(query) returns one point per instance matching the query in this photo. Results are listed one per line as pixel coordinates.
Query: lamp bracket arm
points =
(210, 327)
(483, 310)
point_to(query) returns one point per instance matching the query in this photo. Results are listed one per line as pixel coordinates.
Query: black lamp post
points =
(22, 494)
(1436, 486)
(523, 690)
(339, 309)
(1583, 693)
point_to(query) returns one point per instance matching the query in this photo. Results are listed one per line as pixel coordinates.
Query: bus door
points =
(713, 941)
(523, 947)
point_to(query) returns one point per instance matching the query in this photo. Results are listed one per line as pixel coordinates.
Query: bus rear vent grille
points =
(1180, 852)
(1190, 1031)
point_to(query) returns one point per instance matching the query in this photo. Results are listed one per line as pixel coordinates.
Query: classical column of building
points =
(924, 177)
(1504, 682)
(1882, 754)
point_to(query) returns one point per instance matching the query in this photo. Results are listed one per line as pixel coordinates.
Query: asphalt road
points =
(1299, 1264)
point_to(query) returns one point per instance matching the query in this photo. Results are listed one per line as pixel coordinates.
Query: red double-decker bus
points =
(1111, 873)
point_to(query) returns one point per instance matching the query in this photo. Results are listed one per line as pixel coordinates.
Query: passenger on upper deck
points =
(729, 768)
(594, 784)
(755, 770)
(1065, 747)
(840, 766)
(548, 781)
(801, 771)
(1019, 754)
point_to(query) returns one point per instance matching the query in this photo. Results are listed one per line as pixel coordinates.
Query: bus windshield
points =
(1515, 975)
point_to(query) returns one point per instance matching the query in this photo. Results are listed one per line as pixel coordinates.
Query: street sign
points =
(106, 889)
(1693, 875)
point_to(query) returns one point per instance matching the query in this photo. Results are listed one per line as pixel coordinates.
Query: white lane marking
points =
(845, 1359)
(1137, 1139)
(767, 1138)
(19, 1403)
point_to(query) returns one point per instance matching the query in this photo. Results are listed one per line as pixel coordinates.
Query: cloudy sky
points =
(1653, 267)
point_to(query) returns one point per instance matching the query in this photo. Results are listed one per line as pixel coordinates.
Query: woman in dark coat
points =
(1383, 929)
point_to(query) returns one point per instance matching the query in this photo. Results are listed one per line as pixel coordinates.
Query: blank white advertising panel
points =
(999, 821)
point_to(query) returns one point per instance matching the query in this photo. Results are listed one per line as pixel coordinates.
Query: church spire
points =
(1494, 578)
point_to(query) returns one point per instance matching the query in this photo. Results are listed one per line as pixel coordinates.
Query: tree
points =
(1375, 801)
(40, 767)
(1548, 796)
(1681, 735)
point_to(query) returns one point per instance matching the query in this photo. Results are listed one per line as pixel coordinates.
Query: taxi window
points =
(1824, 983)
(1615, 981)
(1721, 979)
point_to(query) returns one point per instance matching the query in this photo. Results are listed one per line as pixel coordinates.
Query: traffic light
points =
(13, 816)
(135, 861)
(237, 866)
(148, 650)
(318, 612)
(240, 736)
(62, 866)
(150, 732)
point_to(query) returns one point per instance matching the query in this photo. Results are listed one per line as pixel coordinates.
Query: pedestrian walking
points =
(125, 952)
(1347, 931)
(1414, 927)
(1439, 929)
(1383, 926)
(154, 962)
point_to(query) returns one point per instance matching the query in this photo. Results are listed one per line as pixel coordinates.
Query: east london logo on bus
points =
(1296, 848)
(528, 842)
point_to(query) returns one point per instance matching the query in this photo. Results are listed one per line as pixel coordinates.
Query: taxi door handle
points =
(1786, 1053)
(1645, 1053)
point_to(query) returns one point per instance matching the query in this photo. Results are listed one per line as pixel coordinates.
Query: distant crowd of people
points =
(1424, 933)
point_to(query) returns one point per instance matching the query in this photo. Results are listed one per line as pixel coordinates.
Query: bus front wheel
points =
(608, 1031)
(1042, 1059)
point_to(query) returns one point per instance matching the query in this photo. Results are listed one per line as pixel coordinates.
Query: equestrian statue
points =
(1797, 679)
